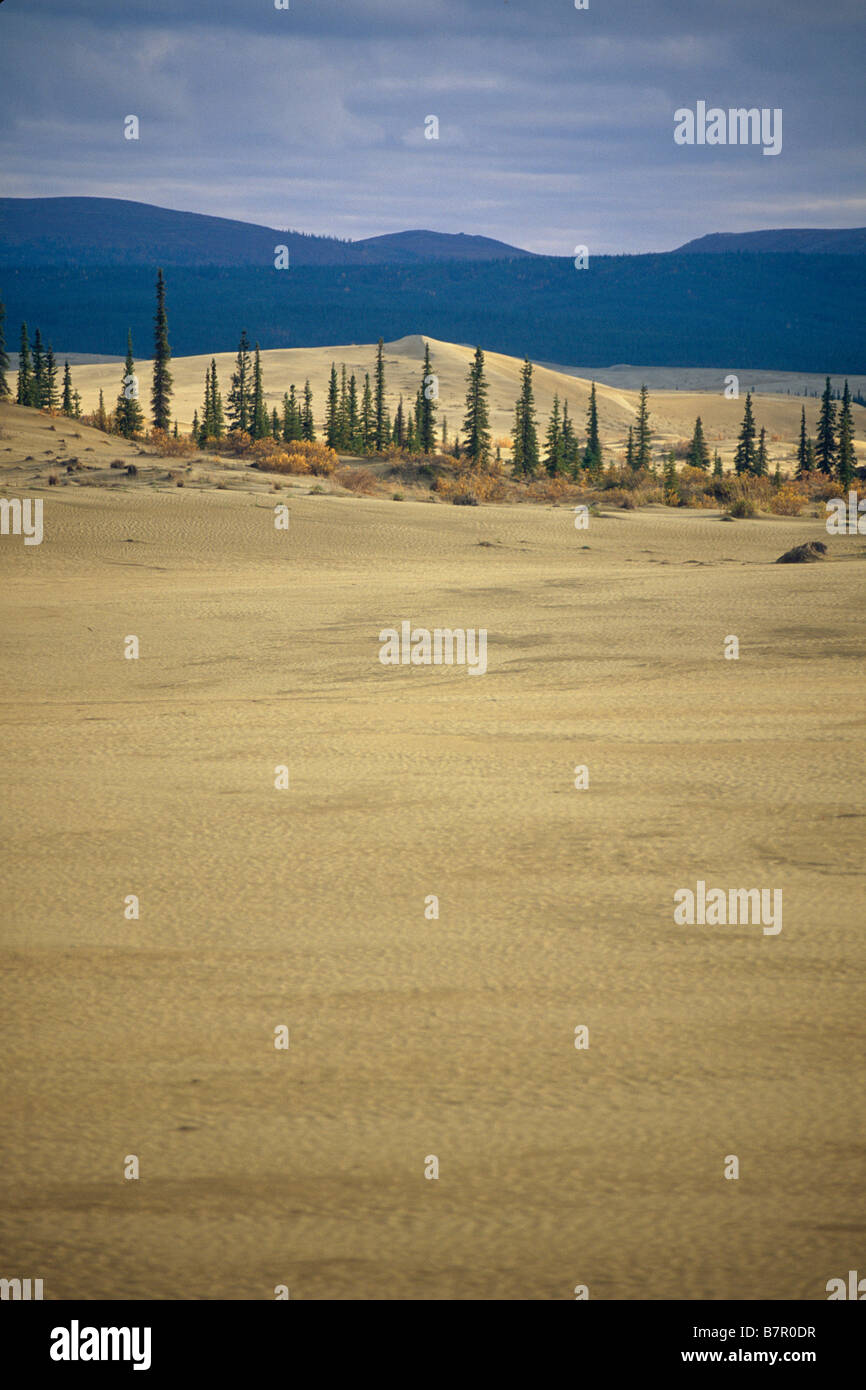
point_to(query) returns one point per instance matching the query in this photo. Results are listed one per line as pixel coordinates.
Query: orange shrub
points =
(168, 447)
(789, 500)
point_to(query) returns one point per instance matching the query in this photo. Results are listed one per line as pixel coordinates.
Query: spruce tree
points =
(101, 417)
(37, 393)
(51, 397)
(801, 447)
(761, 465)
(308, 427)
(592, 461)
(352, 421)
(260, 424)
(76, 405)
(67, 404)
(744, 457)
(25, 370)
(476, 423)
(160, 396)
(291, 416)
(399, 425)
(332, 412)
(195, 432)
(4, 356)
(825, 442)
(643, 434)
(717, 465)
(241, 388)
(444, 433)
(553, 441)
(570, 446)
(525, 453)
(216, 422)
(379, 438)
(426, 407)
(128, 419)
(275, 423)
(810, 456)
(698, 455)
(629, 448)
(846, 460)
(204, 429)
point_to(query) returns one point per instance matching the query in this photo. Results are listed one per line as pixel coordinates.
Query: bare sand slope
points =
(412, 1037)
(673, 412)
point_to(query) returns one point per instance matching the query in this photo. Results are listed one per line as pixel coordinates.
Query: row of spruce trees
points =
(357, 419)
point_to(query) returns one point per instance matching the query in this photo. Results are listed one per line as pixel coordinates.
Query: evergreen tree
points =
(204, 429)
(380, 439)
(570, 448)
(128, 419)
(592, 453)
(698, 455)
(825, 443)
(343, 410)
(332, 412)
(810, 456)
(239, 407)
(195, 432)
(67, 404)
(801, 447)
(50, 393)
(717, 465)
(669, 478)
(352, 421)
(629, 448)
(160, 396)
(643, 434)
(308, 428)
(367, 422)
(4, 356)
(216, 422)
(37, 394)
(444, 433)
(292, 426)
(426, 407)
(101, 417)
(744, 457)
(846, 458)
(761, 468)
(411, 439)
(76, 405)
(553, 441)
(399, 425)
(476, 424)
(275, 423)
(175, 429)
(260, 424)
(25, 370)
(525, 453)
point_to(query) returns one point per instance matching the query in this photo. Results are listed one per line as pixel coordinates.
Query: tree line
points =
(357, 419)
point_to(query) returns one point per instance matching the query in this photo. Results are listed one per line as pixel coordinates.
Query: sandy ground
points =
(306, 908)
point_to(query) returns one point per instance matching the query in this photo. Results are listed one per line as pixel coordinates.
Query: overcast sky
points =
(555, 124)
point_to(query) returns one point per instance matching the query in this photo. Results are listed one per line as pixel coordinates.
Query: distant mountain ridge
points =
(115, 231)
(840, 241)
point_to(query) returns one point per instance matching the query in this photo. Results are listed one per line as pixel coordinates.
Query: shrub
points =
(742, 508)
(299, 456)
(789, 500)
(465, 499)
(117, 463)
(358, 480)
(132, 471)
(169, 447)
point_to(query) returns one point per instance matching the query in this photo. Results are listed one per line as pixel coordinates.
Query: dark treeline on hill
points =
(731, 311)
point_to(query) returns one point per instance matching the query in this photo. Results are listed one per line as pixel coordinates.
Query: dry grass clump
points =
(169, 447)
(358, 480)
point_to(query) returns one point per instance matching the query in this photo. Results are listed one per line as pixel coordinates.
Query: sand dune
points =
(408, 1036)
(673, 412)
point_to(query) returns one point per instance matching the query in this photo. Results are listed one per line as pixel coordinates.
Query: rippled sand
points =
(412, 1037)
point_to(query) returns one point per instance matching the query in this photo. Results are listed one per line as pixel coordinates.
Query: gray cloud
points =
(556, 125)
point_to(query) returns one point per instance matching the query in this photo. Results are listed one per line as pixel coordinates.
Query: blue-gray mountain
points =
(89, 275)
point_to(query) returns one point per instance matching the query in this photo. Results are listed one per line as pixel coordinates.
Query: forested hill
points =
(732, 310)
(114, 231)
